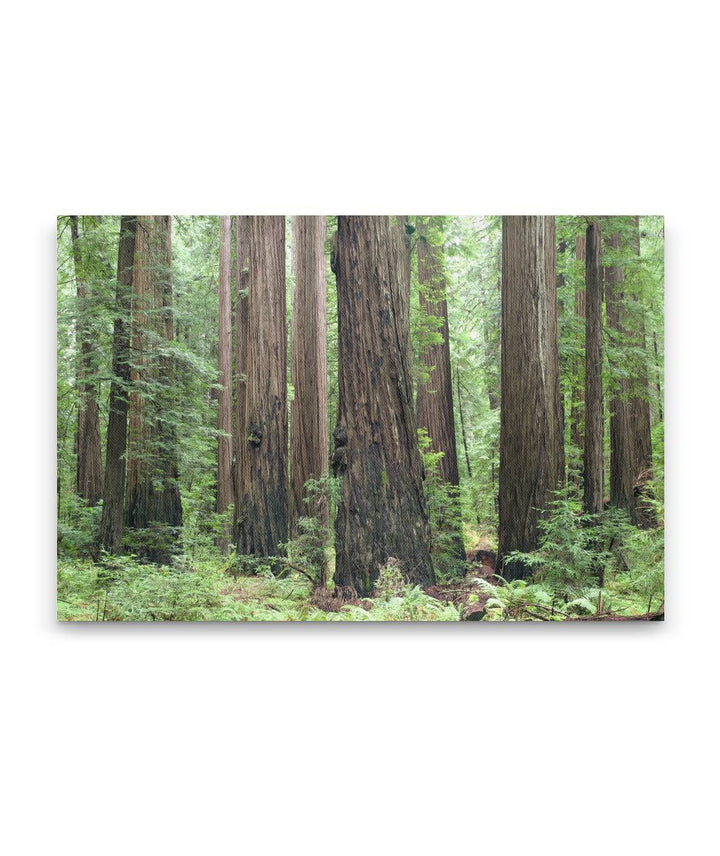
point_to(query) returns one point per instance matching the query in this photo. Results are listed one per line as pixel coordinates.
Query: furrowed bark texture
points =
(640, 403)
(89, 478)
(265, 480)
(153, 494)
(309, 417)
(242, 278)
(111, 523)
(435, 411)
(630, 442)
(224, 496)
(577, 403)
(531, 435)
(594, 418)
(622, 467)
(434, 398)
(382, 511)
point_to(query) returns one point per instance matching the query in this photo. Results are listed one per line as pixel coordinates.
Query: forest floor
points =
(208, 589)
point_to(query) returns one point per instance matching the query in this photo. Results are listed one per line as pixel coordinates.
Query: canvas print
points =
(360, 418)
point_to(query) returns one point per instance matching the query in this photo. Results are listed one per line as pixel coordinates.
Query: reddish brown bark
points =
(153, 494)
(309, 419)
(264, 521)
(111, 524)
(89, 476)
(434, 396)
(382, 512)
(242, 274)
(594, 418)
(531, 436)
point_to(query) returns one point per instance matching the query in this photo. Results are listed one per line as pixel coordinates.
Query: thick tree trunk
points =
(224, 497)
(89, 483)
(153, 494)
(264, 524)
(382, 510)
(531, 436)
(111, 524)
(309, 418)
(242, 278)
(594, 417)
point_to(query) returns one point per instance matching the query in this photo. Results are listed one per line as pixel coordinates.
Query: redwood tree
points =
(531, 431)
(224, 497)
(242, 273)
(594, 419)
(434, 396)
(622, 466)
(88, 444)
(381, 512)
(111, 523)
(630, 443)
(264, 522)
(153, 495)
(309, 418)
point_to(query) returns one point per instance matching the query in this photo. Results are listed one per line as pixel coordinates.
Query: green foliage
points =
(445, 514)
(122, 589)
(578, 550)
(78, 526)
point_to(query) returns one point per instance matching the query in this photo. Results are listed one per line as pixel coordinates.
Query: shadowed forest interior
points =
(360, 418)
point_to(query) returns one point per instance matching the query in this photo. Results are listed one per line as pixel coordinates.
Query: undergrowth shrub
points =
(579, 552)
(444, 513)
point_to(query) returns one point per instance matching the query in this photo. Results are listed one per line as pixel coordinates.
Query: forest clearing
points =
(360, 418)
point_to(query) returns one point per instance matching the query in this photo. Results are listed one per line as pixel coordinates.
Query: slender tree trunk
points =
(111, 524)
(594, 418)
(242, 278)
(382, 510)
(577, 403)
(264, 523)
(622, 467)
(88, 444)
(435, 412)
(224, 496)
(153, 494)
(462, 421)
(309, 419)
(640, 387)
(530, 429)
(434, 398)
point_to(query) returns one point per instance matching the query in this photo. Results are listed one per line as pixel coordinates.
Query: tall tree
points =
(153, 495)
(531, 434)
(224, 497)
(242, 275)
(622, 465)
(435, 412)
(382, 511)
(594, 418)
(630, 442)
(640, 402)
(264, 524)
(111, 523)
(434, 396)
(309, 417)
(577, 387)
(89, 452)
